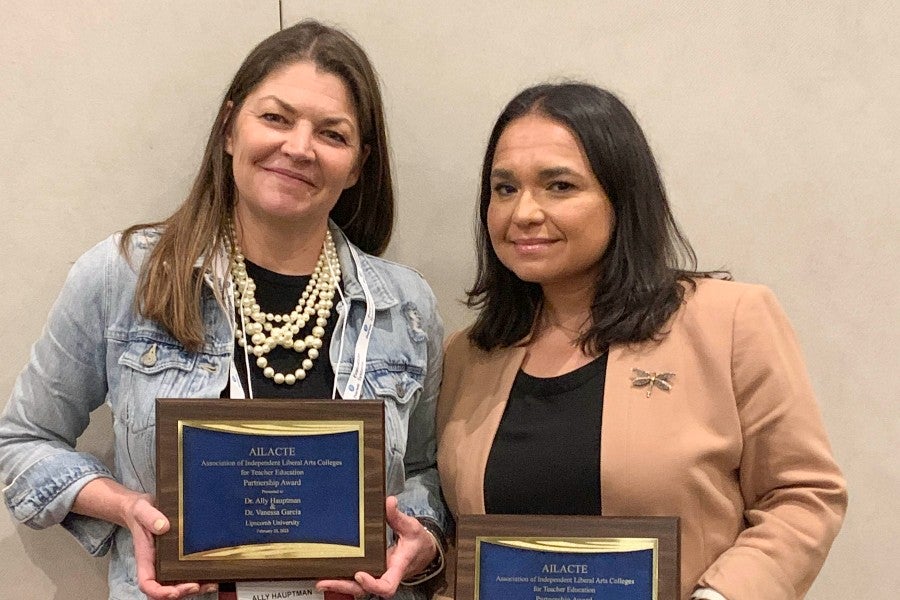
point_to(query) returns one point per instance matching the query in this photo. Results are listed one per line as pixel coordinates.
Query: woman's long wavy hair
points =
(648, 262)
(170, 287)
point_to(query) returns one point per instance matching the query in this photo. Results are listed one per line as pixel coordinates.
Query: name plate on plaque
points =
(532, 557)
(269, 489)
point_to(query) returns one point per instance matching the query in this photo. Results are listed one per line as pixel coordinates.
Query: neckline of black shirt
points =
(559, 384)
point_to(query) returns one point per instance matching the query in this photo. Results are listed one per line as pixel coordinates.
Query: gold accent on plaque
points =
(576, 545)
(571, 546)
(274, 427)
(278, 550)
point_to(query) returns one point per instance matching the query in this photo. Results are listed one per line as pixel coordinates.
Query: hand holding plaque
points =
(261, 490)
(404, 558)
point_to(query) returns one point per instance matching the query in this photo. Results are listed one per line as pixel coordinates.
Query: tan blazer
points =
(736, 448)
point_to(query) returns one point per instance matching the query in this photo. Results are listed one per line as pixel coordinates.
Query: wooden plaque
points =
(523, 557)
(269, 489)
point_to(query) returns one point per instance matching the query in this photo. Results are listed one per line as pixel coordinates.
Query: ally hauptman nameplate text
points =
(266, 489)
(540, 557)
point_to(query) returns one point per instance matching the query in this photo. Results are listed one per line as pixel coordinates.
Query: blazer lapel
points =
(615, 421)
(483, 401)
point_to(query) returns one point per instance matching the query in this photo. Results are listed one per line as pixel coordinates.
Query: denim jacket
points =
(96, 349)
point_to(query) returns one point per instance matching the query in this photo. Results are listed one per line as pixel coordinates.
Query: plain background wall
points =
(776, 126)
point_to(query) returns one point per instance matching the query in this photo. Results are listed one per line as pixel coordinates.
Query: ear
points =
(353, 177)
(229, 126)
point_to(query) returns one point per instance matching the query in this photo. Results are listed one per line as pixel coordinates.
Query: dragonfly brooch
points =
(642, 378)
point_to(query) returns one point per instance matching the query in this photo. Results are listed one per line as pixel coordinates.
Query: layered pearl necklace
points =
(267, 331)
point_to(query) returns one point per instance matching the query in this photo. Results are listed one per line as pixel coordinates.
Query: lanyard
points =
(235, 387)
(353, 389)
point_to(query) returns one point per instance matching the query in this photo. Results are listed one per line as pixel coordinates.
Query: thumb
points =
(391, 507)
(392, 513)
(399, 521)
(147, 516)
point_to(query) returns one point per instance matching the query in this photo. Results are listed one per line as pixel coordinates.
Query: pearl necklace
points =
(267, 331)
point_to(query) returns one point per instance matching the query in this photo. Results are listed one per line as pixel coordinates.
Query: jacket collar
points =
(366, 268)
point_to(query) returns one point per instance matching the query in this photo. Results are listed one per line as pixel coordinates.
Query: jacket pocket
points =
(154, 366)
(153, 369)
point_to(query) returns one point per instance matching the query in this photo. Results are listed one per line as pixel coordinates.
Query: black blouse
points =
(546, 455)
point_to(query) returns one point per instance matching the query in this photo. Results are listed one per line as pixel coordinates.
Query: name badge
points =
(276, 590)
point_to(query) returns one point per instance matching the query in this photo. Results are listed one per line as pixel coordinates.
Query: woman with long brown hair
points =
(265, 283)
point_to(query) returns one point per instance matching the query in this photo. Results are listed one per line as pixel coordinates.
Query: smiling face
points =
(295, 145)
(549, 219)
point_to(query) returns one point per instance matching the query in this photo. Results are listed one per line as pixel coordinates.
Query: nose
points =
(527, 210)
(298, 142)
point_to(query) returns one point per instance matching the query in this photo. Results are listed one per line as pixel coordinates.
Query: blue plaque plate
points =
(271, 489)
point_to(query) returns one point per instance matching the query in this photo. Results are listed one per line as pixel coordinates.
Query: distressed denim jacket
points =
(96, 349)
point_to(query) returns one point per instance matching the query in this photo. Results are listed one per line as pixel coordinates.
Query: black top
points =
(277, 293)
(546, 455)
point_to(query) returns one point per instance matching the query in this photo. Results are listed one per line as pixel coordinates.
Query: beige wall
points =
(776, 127)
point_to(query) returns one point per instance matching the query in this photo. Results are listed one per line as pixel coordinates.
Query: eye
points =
(274, 118)
(561, 186)
(336, 136)
(504, 189)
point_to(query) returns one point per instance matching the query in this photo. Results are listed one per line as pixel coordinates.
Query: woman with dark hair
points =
(264, 283)
(605, 375)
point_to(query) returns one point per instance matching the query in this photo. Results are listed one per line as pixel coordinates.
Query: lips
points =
(532, 245)
(291, 174)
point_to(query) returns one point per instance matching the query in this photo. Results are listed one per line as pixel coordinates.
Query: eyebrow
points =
(328, 121)
(547, 173)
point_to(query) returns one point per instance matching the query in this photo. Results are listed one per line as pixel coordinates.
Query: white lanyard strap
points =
(353, 390)
(235, 387)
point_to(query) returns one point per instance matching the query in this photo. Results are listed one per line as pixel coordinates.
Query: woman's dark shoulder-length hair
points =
(643, 272)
